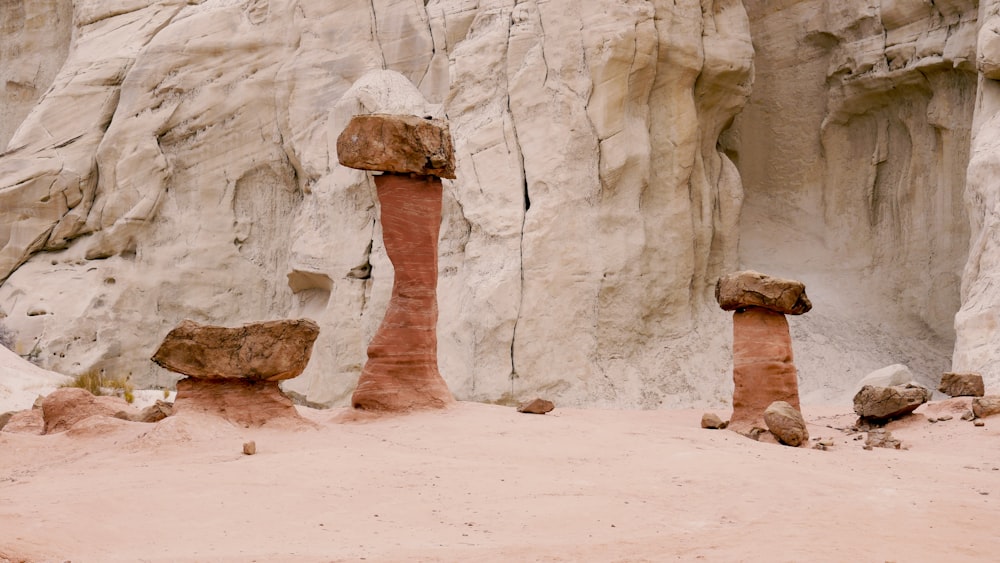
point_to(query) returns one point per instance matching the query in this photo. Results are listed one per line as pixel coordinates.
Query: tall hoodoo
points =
(763, 367)
(413, 153)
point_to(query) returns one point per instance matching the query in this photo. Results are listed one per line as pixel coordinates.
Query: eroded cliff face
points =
(978, 322)
(182, 165)
(853, 152)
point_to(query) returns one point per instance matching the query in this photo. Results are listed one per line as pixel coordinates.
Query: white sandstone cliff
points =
(181, 165)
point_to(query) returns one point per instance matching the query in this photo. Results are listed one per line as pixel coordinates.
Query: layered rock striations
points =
(195, 177)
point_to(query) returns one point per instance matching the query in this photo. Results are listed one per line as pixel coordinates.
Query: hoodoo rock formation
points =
(613, 159)
(402, 369)
(234, 372)
(763, 370)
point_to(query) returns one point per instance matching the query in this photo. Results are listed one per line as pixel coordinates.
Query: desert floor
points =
(485, 483)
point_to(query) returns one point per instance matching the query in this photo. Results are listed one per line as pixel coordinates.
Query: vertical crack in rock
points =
(527, 205)
(375, 36)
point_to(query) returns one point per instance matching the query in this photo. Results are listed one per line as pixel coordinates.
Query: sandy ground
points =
(481, 482)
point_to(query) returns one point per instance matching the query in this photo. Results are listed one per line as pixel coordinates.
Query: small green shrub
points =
(99, 384)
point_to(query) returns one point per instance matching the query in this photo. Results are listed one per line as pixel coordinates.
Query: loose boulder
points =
(712, 421)
(962, 385)
(877, 404)
(896, 374)
(988, 405)
(26, 422)
(537, 406)
(753, 289)
(786, 423)
(405, 144)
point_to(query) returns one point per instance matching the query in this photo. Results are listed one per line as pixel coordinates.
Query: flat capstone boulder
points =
(744, 289)
(404, 144)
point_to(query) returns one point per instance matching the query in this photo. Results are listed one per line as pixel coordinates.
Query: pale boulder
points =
(786, 423)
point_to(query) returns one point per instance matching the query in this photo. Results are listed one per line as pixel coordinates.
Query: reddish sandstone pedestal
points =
(402, 372)
(763, 371)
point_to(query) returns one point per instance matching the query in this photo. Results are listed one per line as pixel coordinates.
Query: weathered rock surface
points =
(397, 143)
(754, 289)
(536, 406)
(26, 422)
(986, 406)
(883, 403)
(194, 175)
(63, 408)
(962, 385)
(763, 368)
(402, 369)
(248, 403)
(786, 423)
(264, 351)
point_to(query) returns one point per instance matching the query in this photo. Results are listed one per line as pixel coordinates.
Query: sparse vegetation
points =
(6, 337)
(99, 384)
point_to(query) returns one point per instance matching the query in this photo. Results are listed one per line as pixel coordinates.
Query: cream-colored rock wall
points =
(35, 40)
(196, 177)
(853, 151)
(977, 324)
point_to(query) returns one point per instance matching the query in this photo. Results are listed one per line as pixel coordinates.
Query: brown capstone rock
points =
(712, 421)
(246, 402)
(988, 405)
(883, 403)
(962, 385)
(763, 371)
(753, 289)
(402, 371)
(63, 408)
(536, 406)
(786, 423)
(264, 351)
(404, 144)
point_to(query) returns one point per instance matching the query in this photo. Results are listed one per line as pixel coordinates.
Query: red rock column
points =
(763, 371)
(402, 371)
(414, 153)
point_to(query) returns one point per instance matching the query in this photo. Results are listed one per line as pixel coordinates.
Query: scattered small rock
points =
(153, 413)
(712, 421)
(969, 415)
(881, 438)
(537, 406)
(978, 423)
(962, 385)
(786, 423)
(944, 417)
(249, 448)
(756, 432)
(932, 420)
